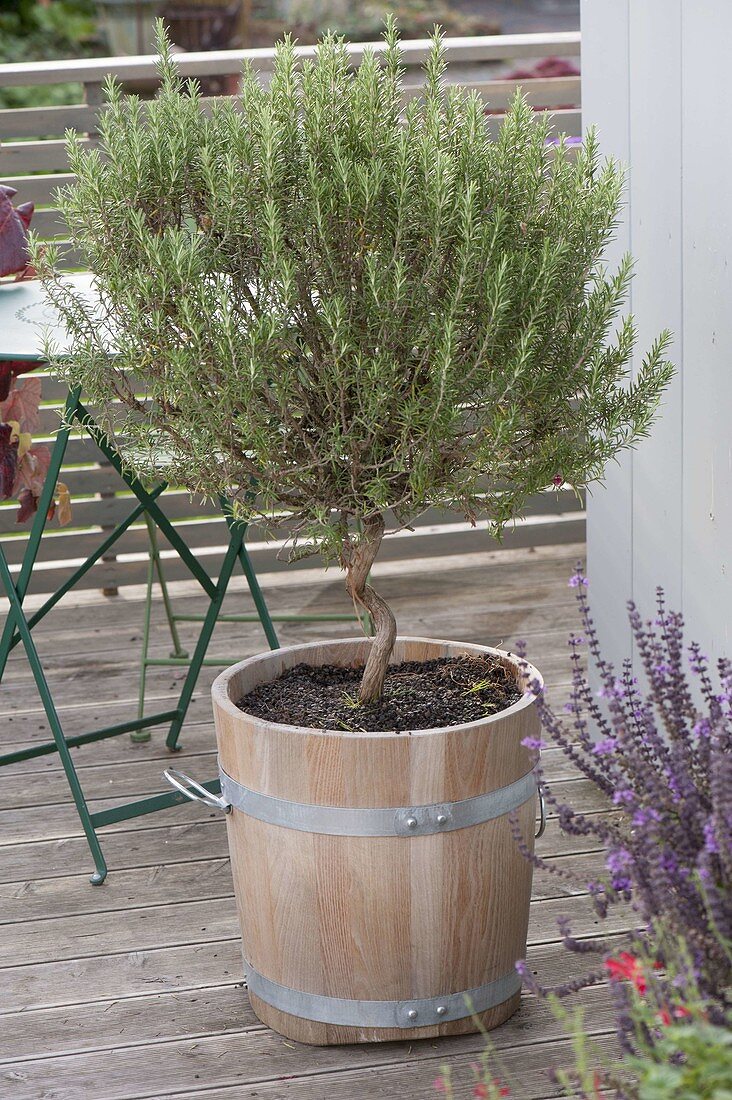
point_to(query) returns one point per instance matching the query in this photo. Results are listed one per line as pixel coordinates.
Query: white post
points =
(655, 82)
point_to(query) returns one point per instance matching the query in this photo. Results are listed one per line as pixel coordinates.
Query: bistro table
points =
(26, 319)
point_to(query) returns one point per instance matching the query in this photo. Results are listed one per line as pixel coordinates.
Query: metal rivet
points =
(412, 1014)
(411, 822)
(441, 1010)
(442, 819)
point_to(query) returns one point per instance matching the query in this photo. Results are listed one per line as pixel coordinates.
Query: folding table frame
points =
(18, 628)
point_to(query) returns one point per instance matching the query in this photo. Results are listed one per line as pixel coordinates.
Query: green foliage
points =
(309, 19)
(677, 1045)
(365, 310)
(690, 1061)
(35, 32)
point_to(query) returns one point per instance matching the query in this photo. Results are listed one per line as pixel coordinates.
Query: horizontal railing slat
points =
(35, 156)
(50, 223)
(178, 505)
(47, 122)
(22, 122)
(218, 63)
(44, 156)
(112, 510)
(424, 542)
(39, 189)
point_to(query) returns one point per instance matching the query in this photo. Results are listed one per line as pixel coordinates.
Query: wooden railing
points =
(33, 160)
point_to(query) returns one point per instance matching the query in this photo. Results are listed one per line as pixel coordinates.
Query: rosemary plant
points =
(365, 308)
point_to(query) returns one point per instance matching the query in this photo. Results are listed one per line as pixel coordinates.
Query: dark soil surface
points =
(418, 695)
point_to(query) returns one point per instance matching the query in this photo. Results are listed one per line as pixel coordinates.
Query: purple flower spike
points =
(655, 741)
(534, 743)
(606, 747)
(577, 580)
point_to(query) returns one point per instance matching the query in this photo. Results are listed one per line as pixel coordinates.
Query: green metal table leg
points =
(19, 622)
(17, 629)
(39, 522)
(204, 637)
(258, 596)
(144, 734)
(178, 651)
(179, 654)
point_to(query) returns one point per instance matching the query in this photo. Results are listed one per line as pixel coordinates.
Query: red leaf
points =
(25, 213)
(13, 234)
(9, 368)
(28, 506)
(22, 405)
(8, 462)
(32, 470)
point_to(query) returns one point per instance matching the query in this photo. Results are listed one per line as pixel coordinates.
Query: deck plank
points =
(134, 990)
(259, 1057)
(166, 1014)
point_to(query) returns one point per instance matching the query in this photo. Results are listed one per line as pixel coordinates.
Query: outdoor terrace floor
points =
(134, 989)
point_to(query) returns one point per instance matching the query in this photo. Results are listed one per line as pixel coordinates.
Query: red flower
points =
(557, 480)
(677, 1013)
(627, 967)
(596, 1083)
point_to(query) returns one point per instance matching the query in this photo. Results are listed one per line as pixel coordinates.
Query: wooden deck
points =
(134, 988)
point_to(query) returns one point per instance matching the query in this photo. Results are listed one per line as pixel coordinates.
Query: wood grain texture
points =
(376, 918)
(147, 969)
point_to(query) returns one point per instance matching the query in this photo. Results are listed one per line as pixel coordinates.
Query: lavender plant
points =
(662, 756)
(369, 308)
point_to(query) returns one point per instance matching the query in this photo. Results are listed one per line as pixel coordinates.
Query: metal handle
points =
(195, 791)
(542, 814)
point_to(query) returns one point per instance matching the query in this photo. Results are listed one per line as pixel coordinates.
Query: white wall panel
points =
(606, 104)
(654, 80)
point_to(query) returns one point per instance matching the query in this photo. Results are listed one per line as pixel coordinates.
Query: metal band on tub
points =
(422, 1012)
(437, 817)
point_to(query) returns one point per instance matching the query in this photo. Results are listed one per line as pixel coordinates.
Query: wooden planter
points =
(369, 901)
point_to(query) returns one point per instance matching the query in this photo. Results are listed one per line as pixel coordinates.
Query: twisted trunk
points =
(357, 560)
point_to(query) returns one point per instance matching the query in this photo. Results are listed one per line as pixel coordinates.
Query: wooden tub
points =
(380, 891)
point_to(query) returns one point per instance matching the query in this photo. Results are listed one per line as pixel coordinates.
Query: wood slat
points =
(143, 777)
(78, 540)
(550, 93)
(168, 883)
(50, 225)
(24, 157)
(30, 122)
(35, 156)
(174, 1015)
(110, 626)
(39, 189)
(242, 1057)
(118, 668)
(240, 639)
(550, 531)
(215, 63)
(213, 919)
(59, 820)
(153, 840)
(45, 122)
(421, 572)
(112, 510)
(527, 1066)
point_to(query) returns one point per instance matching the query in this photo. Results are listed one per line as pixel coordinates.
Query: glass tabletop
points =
(27, 318)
